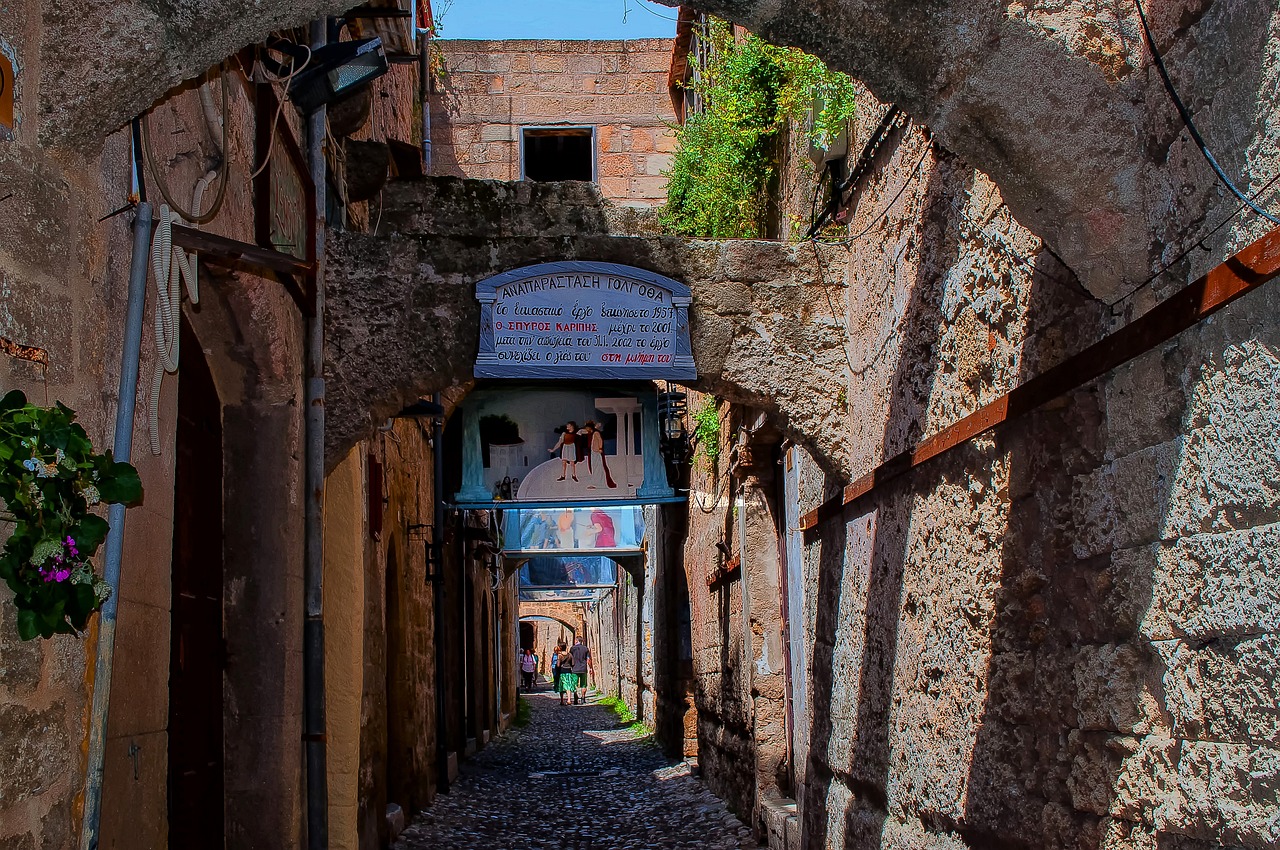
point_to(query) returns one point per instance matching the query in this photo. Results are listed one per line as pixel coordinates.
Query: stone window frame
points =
(595, 150)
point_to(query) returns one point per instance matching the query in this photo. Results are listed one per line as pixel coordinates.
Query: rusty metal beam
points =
(1245, 271)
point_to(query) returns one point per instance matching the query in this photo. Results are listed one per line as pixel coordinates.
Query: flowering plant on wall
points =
(50, 480)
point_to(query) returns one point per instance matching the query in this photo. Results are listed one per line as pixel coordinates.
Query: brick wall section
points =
(493, 88)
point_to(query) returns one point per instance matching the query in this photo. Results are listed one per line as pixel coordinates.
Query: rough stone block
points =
(655, 164)
(1123, 504)
(1224, 691)
(1213, 585)
(1113, 689)
(1144, 403)
(38, 751)
(1228, 476)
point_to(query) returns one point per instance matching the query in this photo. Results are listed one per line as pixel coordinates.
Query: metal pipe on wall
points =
(122, 450)
(313, 567)
(424, 83)
(437, 596)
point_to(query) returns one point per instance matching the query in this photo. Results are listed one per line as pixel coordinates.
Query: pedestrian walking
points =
(528, 666)
(580, 658)
(567, 680)
(553, 674)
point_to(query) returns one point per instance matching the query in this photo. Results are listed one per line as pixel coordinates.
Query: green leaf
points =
(27, 625)
(89, 533)
(120, 483)
(13, 400)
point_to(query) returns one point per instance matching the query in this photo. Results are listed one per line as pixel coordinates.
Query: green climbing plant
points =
(50, 480)
(706, 430)
(725, 156)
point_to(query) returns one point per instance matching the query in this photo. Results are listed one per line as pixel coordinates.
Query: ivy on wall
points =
(725, 156)
(706, 430)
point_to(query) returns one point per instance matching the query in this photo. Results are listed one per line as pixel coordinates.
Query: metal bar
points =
(515, 505)
(296, 276)
(313, 566)
(437, 597)
(1247, 270)
(122, 450)
(564, 586)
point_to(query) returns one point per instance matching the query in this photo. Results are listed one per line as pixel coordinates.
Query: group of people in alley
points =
(568, 672)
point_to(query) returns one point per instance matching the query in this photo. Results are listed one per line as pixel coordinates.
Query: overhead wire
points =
(224, 170)
(1197, 243)
(1187, 121)
(283, 82)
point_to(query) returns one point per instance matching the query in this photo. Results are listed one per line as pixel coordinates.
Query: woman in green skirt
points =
(566, 679)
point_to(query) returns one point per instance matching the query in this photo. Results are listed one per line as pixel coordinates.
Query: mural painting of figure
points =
(595, 455)
(564, 529)
(567, 445)
(606, 538)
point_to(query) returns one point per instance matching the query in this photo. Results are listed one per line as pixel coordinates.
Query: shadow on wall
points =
(855, 779)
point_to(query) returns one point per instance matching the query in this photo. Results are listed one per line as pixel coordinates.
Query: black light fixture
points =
(421, 409)
(673, 406)
(336, 71)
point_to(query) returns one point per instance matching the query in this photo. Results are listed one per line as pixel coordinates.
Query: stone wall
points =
(1026, 643)
(488, 90)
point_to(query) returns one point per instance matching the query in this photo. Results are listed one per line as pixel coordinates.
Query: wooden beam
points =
(1250, 268)
(296, 276)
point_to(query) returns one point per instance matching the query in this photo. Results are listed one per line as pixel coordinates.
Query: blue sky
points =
(554, 19)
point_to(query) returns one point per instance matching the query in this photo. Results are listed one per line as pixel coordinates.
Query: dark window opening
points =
(561, 153)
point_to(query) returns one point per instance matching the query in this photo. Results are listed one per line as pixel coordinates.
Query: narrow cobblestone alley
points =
(575, 777)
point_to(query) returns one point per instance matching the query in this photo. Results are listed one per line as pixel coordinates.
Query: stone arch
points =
(573, 630)
(1100, 191)
(104, 65)
(404, 320)
(1108, 190)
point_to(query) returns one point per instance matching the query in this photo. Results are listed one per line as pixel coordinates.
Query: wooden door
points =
(196, 650)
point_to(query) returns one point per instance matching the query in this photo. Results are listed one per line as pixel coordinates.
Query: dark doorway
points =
(196, 646)
(558, 153)
(527, 636)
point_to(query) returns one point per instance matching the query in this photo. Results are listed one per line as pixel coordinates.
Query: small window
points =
(558, 153)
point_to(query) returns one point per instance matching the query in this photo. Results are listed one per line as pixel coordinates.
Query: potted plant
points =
(51, 480)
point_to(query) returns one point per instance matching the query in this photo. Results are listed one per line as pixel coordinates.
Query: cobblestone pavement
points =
(575, 778)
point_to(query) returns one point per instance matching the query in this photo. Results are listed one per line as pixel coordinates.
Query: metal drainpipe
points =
(744, 583)
(424, 82)
(122, 450)
(437, 597)
(313, 567)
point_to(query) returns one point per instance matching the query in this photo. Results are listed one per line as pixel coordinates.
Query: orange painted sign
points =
(6, 92)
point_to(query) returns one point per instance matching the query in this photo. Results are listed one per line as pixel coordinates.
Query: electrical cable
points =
(280, 101)
(225, 169)
(849, 240)
(1189, 124)
(1198, 243)
(172, 266)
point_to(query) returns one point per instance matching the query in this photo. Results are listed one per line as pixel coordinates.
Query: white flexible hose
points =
(172, 268)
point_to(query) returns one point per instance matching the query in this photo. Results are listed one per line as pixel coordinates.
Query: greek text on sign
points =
(583, 320)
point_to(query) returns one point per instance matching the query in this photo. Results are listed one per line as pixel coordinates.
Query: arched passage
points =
(404, 319)
(569, 627)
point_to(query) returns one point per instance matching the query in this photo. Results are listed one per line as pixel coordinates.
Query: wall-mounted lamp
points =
(421, 409)
(335, 71)
(673, 406)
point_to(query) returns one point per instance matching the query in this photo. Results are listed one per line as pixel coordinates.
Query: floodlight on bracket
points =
(335, 71)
